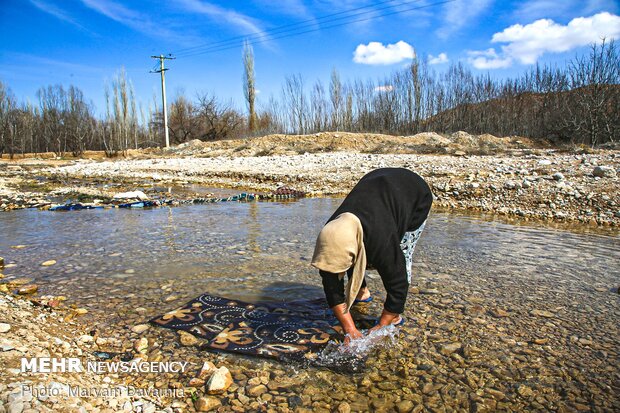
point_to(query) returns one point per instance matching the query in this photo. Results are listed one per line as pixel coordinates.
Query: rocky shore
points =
(478, 346)
(530, 183)
(45, 329)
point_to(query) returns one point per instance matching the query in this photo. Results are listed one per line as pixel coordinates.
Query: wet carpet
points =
(291, 331)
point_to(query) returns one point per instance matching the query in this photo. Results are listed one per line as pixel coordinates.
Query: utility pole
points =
(161, 70)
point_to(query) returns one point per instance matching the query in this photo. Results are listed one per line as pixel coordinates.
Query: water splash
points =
(351, 358)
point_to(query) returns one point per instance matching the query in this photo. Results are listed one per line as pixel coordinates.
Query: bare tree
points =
(318, 108)
(594, 111)
(218, 121)
(182, 123)
(7, 108)
(249, 84)
(335, 95)
(295, 101)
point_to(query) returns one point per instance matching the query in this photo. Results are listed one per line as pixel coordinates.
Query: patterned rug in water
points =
(293, 331)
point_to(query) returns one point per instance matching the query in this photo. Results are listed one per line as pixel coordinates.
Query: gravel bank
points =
(512, 176)
(546, 186)
(37, 331)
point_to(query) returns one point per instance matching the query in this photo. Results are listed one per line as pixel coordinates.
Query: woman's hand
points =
(352, 335)
(346, 321)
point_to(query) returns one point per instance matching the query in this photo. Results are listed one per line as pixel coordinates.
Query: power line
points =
(296, 26)
(214, 49)
(261, 38)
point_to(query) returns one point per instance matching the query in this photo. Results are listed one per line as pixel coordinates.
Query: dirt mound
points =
(426, 142)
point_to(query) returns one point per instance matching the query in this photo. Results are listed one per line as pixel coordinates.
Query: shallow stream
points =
(126, 266)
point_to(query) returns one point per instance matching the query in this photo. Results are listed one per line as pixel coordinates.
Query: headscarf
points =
(340, 246)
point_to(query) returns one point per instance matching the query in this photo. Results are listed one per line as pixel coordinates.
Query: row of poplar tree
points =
(575, 103)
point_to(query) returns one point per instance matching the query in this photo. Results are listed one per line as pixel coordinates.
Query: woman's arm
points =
(333, 285)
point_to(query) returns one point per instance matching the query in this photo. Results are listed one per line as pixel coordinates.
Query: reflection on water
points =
(261, 251)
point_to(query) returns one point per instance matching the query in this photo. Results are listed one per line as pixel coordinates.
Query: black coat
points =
(389, 202)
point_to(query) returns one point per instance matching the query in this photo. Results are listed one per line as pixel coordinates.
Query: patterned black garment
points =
(294, 331)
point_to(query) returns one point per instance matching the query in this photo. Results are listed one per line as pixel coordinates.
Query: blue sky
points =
(86, 42)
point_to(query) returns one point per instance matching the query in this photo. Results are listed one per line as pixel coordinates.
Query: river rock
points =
(4, 288)
(498, 313)
(206, 404)
(28, 289)
(4, 327)
(405, 406)
(344, 407)
(510, 184)
(196, 382)
(449, 348)
(15, 407)
(1, 262)
(141, 346)
(20, 281)
(604, 172)
(48, 263)
(187, 339)
(542, 313)
(220, 381)
(525, 391)
(207, 370)
(140, 328)
(257, 390)
(132, 195)
(558, 176)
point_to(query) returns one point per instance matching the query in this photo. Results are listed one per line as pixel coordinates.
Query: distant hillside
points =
(577, 116)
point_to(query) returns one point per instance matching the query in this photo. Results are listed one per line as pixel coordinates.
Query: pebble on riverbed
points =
(207, 404)
(141, 346)
(604, 172)
(48, 263)
(220, 381)
(140, 328)
(28, 289)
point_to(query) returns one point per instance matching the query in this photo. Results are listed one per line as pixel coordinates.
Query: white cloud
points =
(384, 88)
(129, 18)
(230, 16)
(375, 53)
(488, 59)
(527, 43)
(437, 60)
(57, 12)
(459, 13)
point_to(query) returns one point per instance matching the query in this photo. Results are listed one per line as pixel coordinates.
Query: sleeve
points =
(391, 268)
(422, 209)
(333, 287)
